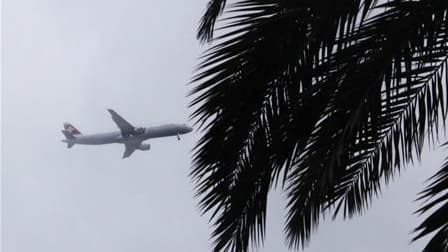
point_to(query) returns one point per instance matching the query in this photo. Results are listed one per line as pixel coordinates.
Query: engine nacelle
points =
(139, 131)
(144, 147)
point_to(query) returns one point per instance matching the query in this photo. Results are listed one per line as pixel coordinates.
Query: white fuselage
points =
(116, 136)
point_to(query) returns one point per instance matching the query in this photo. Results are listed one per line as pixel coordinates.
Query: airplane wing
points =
(129, 149)
(125, 127)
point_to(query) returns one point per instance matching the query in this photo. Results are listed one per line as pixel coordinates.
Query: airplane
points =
(132, 137)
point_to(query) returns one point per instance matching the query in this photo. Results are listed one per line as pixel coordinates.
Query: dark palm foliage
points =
(437, 222)
(328, 97)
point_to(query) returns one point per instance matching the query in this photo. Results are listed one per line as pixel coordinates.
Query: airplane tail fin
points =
(71, 129)
(70, 133)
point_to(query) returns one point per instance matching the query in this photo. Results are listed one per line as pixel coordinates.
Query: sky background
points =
(69, 61)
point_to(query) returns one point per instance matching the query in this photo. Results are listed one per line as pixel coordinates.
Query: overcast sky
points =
(70, 60)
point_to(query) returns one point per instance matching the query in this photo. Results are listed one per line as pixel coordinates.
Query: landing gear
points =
(178, 137)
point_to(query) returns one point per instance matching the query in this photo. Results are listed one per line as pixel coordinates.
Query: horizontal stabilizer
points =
(68, 134)
(69, 137)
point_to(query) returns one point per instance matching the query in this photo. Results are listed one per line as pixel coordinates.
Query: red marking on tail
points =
(71, 129)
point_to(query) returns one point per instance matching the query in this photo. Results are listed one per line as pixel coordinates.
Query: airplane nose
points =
(189, 129)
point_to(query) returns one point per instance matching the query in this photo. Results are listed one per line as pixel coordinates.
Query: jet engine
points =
(139, 131)
(144, 147)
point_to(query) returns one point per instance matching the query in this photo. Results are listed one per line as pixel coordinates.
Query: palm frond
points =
(387, 91)
(208, 20)
(244, 208)
(436, 194)
(319, 95)
(411, 100)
